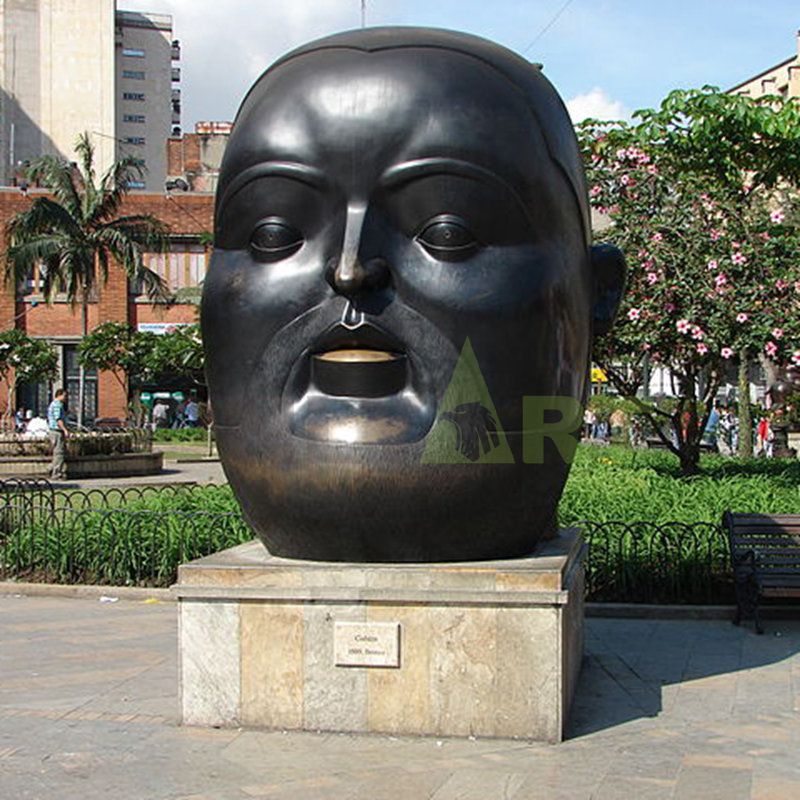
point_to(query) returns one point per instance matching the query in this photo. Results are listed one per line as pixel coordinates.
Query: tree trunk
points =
(745, 446)
(81, 371)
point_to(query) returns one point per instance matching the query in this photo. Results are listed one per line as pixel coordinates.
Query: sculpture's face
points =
(376, 211)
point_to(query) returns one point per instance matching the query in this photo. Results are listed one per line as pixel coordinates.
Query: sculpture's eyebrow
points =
(420, 167)
(304, 173)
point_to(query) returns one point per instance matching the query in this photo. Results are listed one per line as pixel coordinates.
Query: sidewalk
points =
(665, 709)
(173, 472)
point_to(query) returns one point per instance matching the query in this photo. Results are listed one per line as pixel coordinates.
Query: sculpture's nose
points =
(356, 272)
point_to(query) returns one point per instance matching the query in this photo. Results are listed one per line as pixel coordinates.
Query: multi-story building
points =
(148, 107)
(189, 217)
(69, 66)
(782, 80)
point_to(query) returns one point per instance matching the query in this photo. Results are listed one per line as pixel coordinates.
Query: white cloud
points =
(597, 105)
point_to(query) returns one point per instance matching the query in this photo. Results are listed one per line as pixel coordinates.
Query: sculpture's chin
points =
(318, 500)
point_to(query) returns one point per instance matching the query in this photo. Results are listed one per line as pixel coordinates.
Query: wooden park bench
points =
(765, 556)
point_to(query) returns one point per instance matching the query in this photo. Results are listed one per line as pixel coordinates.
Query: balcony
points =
(176, 117)
(176, 50)
(176, 95)
(176, 74)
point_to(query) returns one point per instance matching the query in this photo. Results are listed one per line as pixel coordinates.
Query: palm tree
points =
(73, 235)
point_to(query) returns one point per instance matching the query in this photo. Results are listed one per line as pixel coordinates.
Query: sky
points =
(605, 57)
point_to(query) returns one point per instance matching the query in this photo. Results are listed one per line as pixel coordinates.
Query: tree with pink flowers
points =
(702, 196)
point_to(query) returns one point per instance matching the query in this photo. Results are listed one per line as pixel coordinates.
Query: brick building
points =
(189, 216)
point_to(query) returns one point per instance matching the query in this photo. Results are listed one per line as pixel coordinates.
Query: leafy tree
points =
(24, 360)
(74, 234)
(701, 194)
(117, 348)
(180, 352)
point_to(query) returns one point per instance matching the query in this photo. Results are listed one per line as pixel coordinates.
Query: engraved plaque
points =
(366, 644)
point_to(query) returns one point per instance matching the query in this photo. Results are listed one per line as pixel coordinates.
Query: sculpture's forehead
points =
(358, 113)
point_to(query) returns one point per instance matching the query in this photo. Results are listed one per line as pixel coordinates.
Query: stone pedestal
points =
(486, 649)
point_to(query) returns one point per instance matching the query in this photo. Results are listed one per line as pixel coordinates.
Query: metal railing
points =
(140, 535)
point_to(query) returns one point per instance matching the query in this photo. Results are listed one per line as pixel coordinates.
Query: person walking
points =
(57, 431)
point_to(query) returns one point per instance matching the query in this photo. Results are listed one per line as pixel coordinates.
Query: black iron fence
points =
(139, 535)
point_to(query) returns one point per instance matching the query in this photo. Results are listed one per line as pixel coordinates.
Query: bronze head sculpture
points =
(402, 257)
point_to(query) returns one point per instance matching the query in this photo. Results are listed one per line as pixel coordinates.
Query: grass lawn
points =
(618, 483)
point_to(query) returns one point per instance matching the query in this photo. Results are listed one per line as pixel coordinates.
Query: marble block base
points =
(466, 649)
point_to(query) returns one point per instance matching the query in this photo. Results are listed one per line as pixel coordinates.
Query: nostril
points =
(357, 277)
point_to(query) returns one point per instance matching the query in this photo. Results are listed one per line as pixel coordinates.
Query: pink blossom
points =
(702, 348)
(652, 277)
(652, 169)
(656, 237)
(643, 254)
(726, 352)
(713, 264)
(646, 345)
(669, 308)
(765, 236)
(625, 180)
(621, 153)
(781, 284)
(735, 245)
(634, 314)
(741, 317)
(796, 358)
(720, 280)
(648, 264)
(777, 217)
(770, 348)
(698, 333)
(739, 258)
(777, 333)
(715, 234)
(683, 325)
(595, 191)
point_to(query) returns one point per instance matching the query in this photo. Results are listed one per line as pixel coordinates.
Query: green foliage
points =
(116, 347)
(179, 352)
(617, 483)
(163, 435)
(31, 359)
(702, 196)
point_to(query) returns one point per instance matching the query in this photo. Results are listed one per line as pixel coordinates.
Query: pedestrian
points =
(192, 412)
(57, 431)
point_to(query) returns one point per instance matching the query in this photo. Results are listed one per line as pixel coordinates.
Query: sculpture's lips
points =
(363, 361)
(364, 336)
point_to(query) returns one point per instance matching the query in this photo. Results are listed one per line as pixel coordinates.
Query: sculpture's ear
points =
(609, 269)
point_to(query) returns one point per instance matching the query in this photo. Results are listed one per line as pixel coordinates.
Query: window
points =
(182, 268)
(71, 382)
(134, 140)
(133, 74)
(139, 162)
(138, 96)
(133, 52)
(133, 117)
(136, 184)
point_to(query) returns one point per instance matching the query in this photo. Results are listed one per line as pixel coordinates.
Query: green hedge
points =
(180, 435)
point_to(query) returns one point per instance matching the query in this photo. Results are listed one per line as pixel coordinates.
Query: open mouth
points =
(358, 362)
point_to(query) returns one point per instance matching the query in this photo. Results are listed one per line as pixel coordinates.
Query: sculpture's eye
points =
(448, 238)
(274, 239)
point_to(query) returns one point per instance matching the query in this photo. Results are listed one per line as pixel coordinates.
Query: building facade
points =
(193, 160)
(782, 80)
(190, 217)
(69, 66)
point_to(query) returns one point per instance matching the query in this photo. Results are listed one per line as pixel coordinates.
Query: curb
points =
(8, 588)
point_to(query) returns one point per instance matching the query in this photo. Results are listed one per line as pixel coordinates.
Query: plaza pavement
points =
(665, 709)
